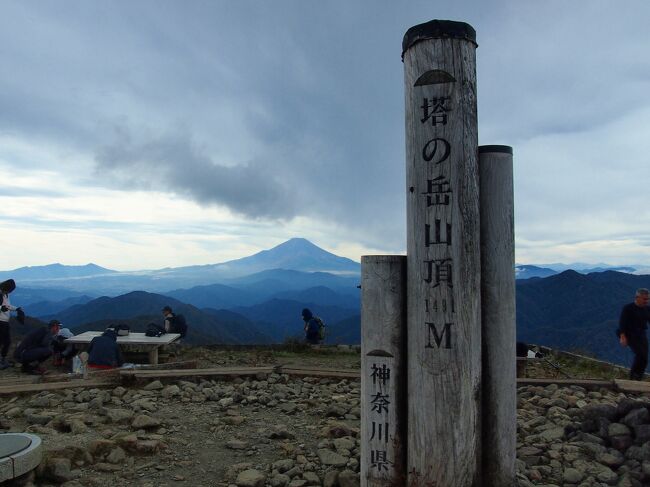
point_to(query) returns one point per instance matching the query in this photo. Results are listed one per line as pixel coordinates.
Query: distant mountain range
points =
(243, 301)
(528, 271)
(54, 271)
(577, 312)
(295, 254)
(259, 307)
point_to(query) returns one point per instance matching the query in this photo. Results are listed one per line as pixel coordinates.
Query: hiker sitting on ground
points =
(312, 332)
(104, 352)
(631, 332)
(174, 323)
(35, 349)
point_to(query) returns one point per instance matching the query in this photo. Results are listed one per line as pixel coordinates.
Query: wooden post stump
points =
(444, 312)
(383, 374)
(498, 316)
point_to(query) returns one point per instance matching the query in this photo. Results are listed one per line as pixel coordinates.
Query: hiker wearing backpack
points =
(314, 327)
(174, 323)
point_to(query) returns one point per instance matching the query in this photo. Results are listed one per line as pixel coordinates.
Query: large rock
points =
(236, 445)
(101, 448)
(170, 391)
(251, 478)
(328, 457)
(144, 421)
(117, 455)
(119, 415)
(348, 478)
(58, 469)
(153, 386)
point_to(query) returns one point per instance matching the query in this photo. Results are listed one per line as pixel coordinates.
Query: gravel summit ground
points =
(289, 431)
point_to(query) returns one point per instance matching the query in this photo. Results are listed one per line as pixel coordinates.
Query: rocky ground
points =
(285, 431)
(569, 436)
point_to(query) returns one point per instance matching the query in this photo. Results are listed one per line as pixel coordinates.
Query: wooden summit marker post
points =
(498, 315)
(443, 255)
(383, 374)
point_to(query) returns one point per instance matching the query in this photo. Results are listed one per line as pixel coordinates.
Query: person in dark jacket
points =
(631, 332)
(104, 352)
(312, 335)
(35, 348)
(174, 323)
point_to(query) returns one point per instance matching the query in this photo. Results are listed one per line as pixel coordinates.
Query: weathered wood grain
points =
(499, 405)
(383, 371)
(444, 325)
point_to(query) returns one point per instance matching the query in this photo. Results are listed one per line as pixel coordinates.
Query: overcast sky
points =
(146, 134)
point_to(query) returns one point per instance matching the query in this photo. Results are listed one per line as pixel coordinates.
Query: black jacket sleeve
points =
(624, 322)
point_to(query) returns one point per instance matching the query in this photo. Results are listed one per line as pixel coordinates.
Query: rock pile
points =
(273, 431)
(573, 437)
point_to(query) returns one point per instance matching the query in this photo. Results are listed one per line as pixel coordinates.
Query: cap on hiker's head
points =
(306, 314)
(167, 309)
(7, 286)
(54, 323)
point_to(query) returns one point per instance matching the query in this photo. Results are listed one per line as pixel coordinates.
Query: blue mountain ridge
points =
(297, 254)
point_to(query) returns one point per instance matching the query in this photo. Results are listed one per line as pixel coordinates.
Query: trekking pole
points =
(557, 367)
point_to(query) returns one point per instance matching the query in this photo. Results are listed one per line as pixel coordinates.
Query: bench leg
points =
(521, 369)
(153, 356)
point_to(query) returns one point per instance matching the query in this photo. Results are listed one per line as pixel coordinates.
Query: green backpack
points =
(321, 328)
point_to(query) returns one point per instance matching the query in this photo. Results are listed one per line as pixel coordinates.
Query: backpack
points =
(154, 330)
(178, 325)
(122, 330)
(321, 327)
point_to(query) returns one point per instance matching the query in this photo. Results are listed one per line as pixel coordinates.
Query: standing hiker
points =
(6, 308)
(632, 327)
(314, 327)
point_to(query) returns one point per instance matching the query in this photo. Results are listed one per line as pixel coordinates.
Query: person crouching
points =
(104, 352)
(62, 351)
(35, 349)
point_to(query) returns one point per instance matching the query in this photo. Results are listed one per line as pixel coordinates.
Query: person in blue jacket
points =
(104, 352)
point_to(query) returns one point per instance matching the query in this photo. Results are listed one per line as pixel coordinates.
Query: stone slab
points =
(636, 386)
(6, 469)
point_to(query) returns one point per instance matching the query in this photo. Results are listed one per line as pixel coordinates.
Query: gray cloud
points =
(175, 165)
(279, 110)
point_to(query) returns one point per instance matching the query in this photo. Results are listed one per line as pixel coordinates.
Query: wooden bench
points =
(152, 344)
